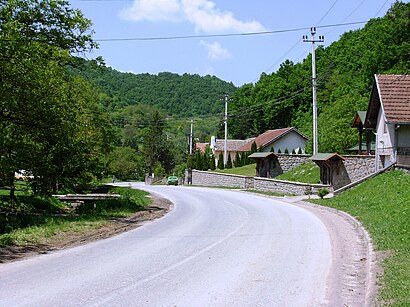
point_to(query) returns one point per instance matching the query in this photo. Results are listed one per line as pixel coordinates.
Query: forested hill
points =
(178, 95)
(345, 73)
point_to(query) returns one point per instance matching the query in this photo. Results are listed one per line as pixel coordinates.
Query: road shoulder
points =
(352, 279)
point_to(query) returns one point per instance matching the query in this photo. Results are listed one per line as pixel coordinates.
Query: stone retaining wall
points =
(203, 178)
(219, 179)
(358, 167)
(289, 162)
(287, 187)
(354, 168)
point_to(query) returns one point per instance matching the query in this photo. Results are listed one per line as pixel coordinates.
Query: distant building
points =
(279, 139)
(388, 114)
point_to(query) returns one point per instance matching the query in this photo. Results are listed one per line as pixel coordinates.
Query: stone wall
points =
(287, 187)
(289, 162)
(358, 167)
(219, 179)
(353, 169)
(203, 178)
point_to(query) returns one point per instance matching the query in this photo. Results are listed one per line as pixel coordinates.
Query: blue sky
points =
(238, 59)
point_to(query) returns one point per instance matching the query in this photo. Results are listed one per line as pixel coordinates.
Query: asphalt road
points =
(216, 248)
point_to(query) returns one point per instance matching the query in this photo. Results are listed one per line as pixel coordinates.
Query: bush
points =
(322, 192)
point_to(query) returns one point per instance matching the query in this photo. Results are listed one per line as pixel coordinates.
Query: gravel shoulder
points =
(352, 280)
(158, 208)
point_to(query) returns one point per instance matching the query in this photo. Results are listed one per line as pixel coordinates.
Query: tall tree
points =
(50, 124)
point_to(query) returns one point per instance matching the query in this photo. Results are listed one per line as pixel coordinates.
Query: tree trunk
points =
(12, 186)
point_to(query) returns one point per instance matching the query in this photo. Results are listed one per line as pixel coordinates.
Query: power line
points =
(328, 11)
(223, 35)
(381, 8)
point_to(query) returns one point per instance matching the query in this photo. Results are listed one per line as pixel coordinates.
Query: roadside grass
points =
(269, 193)
(382, 204)
(247, 170)
(308, 172)
(35, 220)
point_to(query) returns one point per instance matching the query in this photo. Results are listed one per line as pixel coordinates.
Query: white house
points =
(279, 139)
(388, 114)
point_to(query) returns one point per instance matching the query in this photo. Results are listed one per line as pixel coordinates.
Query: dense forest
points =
(345, 72)
(177, 95)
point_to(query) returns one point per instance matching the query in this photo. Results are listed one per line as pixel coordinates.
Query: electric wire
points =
(160, 38)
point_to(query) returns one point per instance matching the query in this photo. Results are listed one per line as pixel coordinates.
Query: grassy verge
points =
(247, 170)
(34, 220)
(269, 193)
(308, 173)
(382, 204)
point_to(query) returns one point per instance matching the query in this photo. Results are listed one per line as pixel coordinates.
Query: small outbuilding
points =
(332, 169)
(266, 164)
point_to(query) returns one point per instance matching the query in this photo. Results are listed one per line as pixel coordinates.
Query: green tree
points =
(199, 161)
(50, 124)
(229, 162)
(237, 162)
(205, 162)
(212, 163)
(221, 161)
(254, 148)
(125, 163)
(156, 147)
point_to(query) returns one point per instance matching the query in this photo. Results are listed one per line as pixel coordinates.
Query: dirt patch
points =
(159, 207)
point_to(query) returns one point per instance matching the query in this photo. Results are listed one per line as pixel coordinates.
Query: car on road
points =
(172, 180)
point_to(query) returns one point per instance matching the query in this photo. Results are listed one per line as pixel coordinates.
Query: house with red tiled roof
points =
(280, 139)
(388, 114)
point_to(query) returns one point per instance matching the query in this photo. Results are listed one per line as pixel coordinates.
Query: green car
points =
(172, 180)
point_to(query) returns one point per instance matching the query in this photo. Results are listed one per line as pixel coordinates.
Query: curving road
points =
(216, 248)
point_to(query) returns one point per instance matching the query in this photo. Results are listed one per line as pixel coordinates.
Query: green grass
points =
(382, 204)
(247, 170)
(270, 193)
(308, 172)
(32, 220)
(21, 188)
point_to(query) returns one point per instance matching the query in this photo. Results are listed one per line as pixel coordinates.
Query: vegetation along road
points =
(216, 247)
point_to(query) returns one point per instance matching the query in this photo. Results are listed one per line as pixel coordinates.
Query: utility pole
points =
(190, 137)
(226, 130)
(314, 83)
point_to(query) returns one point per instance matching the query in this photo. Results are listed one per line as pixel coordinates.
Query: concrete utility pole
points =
(314, 83)
(226, 130)
(190, 136)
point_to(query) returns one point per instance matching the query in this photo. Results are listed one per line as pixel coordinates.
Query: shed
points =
(332, 170)
(265, 163)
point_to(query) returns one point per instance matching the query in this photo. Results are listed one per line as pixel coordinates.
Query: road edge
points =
(352, 280)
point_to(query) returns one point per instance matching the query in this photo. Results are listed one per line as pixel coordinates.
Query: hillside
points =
(345, 71)
(177, 95)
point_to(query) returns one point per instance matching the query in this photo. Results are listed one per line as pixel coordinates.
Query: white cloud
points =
(153, 10)
(207, 18)
(216, 51)
(203, 14)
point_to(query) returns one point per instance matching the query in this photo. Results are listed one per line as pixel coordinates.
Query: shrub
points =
(322, 192)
